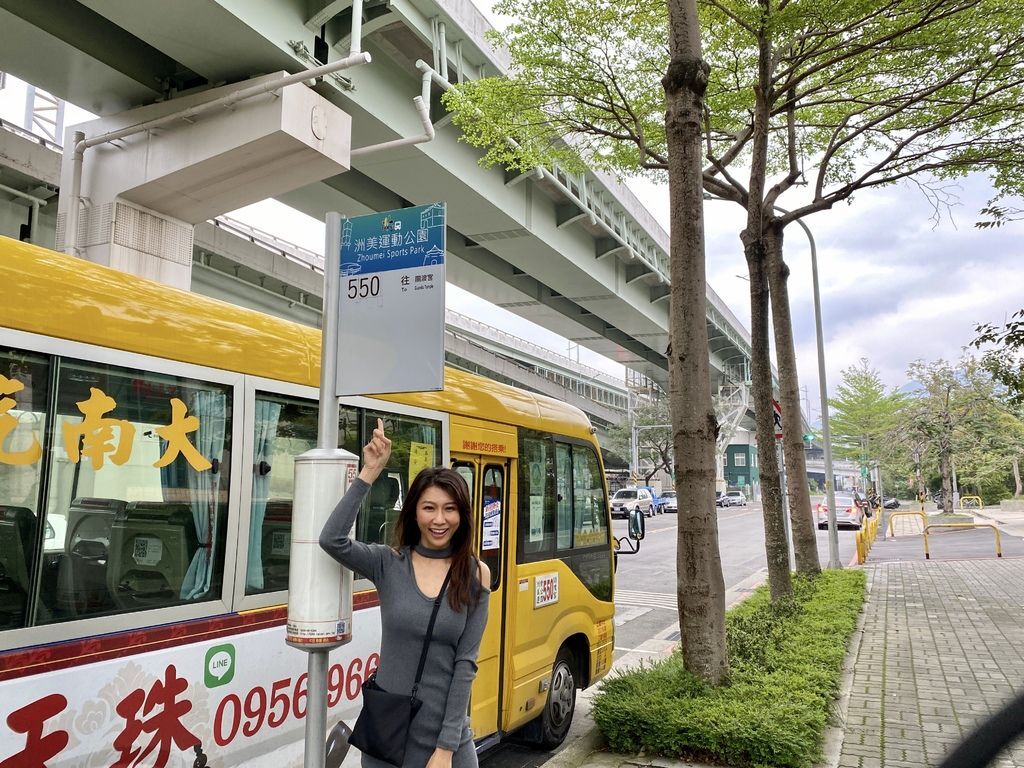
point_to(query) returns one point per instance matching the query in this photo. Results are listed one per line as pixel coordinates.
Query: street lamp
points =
(826, 435)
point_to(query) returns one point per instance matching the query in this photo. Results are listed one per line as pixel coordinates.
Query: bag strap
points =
(430, 632)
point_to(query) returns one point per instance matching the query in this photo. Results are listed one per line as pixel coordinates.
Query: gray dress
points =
(405, 612)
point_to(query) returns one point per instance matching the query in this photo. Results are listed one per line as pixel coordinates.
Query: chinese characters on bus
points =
(100, 437)
(154, 715)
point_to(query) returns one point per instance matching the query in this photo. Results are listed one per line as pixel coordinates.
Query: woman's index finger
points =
(380, 425)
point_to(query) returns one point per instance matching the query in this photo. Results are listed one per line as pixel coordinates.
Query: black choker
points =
(435, 554)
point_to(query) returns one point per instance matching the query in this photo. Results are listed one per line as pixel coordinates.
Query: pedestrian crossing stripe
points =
(667, 602)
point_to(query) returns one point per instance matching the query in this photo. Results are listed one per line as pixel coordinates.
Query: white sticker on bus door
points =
(536, 518)
(491, 538)
(545, 590)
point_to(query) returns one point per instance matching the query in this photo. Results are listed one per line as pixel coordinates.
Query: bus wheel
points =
(561, 704)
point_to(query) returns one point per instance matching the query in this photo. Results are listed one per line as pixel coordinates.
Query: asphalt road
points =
(646, 598)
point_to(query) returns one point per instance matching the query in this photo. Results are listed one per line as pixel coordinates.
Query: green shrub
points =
(786, 662)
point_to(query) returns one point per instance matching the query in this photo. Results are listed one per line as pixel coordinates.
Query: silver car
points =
(848, 513)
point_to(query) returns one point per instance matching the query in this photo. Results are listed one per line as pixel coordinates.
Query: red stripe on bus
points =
(47, 658)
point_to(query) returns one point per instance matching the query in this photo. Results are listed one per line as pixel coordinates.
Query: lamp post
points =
(826, 435)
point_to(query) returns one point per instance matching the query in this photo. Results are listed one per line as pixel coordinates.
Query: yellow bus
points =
(147, 439)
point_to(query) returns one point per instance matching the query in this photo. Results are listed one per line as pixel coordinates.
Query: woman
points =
(433, 535)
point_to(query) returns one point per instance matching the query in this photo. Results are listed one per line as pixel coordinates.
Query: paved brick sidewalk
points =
(941, 647)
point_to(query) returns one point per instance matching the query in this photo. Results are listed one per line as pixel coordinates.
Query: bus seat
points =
(275, 543)
(17, 547)
(381, 514)
(151, 546)
(82, 572)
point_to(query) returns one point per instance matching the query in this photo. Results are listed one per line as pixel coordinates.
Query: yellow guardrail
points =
(999, 542)
(894, 515)
(866, 537)
(972, 505)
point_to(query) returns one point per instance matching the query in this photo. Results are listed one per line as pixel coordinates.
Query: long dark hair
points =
(461, 586)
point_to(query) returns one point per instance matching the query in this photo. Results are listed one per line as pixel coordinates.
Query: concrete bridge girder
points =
(553, 265)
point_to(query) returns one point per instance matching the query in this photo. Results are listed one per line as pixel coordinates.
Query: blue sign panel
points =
(402, 239)
(391, 302)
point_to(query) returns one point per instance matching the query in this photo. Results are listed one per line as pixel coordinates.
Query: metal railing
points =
(999, 542)
(894, 515)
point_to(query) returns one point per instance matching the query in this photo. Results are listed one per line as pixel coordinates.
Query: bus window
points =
(493, 522)
(563, 462)
(284, 428)
(24, 384)
(415, 445)
(139, 470)
(536, 497)
(590, 511)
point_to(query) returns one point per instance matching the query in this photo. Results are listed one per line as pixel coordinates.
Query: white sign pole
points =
(320, 590)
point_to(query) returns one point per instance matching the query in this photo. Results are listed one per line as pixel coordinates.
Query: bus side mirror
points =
(637, 524)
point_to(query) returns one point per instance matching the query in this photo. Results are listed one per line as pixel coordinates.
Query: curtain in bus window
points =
(267, 414)
(138, 466)
(563, 464)
(208, 407)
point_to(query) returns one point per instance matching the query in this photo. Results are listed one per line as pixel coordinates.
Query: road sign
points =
(777, 410)
(391, 302)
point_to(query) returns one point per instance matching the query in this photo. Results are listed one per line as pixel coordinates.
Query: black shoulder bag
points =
(382, 728)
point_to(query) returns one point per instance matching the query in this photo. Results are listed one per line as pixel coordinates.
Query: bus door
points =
(487, 477)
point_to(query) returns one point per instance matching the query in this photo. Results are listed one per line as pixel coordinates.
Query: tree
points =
(1003, 354)
(863, 415)
(489, 113)
(654, 438)
(864, 93)
(580, 93)
(947, 411)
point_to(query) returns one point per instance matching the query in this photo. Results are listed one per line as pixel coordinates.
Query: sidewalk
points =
(940, 646)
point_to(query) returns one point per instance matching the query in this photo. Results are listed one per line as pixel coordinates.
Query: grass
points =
(786, 663)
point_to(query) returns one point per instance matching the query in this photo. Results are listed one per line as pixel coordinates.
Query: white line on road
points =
(667, 602)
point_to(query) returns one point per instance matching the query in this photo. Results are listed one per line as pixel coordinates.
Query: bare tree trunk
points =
(775, 544)
(700, 585)
(780, 582)
(805, 541)
(1018, 489)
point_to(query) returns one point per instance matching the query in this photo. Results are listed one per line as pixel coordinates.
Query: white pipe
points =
(357, 28)
(428, 133)
(77, 149)
(80, 143)
(442, 42)
(228, 100)
(34, 202)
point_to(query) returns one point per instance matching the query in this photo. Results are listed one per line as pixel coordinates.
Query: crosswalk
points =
(646, 599)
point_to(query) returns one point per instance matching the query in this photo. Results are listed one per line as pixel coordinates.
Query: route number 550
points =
(363, 287)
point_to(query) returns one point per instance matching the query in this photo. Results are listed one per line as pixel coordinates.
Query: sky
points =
(896, 285)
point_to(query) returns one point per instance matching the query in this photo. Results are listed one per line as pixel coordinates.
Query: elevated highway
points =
(577, 254)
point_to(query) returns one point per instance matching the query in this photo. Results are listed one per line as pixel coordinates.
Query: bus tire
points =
(555, 720)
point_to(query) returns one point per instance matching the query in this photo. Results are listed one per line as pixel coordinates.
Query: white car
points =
(626, 500)
(671, 502)
(734, 499)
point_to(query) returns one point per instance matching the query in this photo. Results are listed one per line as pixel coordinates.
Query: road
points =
(645, 603)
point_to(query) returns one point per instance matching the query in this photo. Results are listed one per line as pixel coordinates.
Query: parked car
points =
(669, 497)
(720, 499)
(626, 500)
(657, 502)
(849, 514)
(735, 499)
(892, 504)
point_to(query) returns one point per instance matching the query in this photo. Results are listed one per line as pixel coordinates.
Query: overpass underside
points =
(578, 255)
